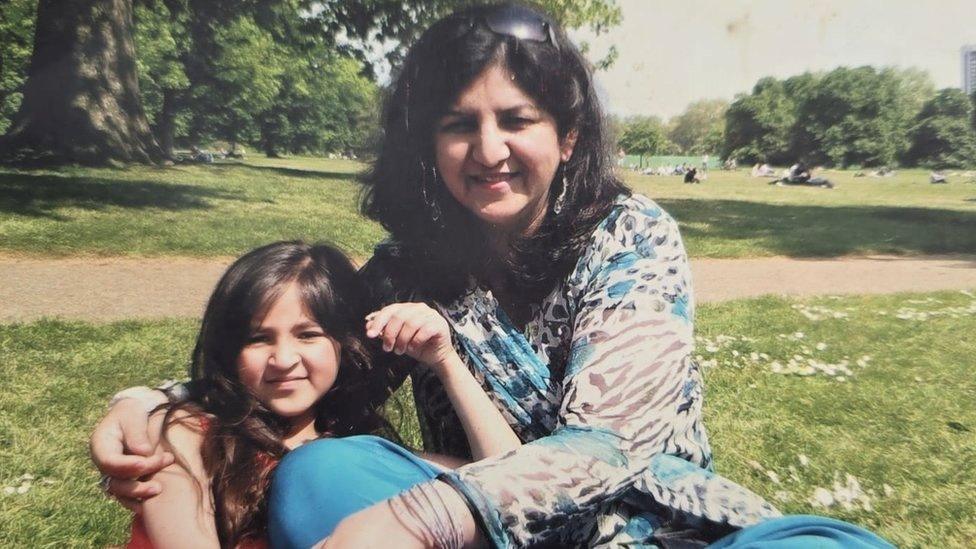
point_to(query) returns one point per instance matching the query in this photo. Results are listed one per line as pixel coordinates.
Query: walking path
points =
(114, 288)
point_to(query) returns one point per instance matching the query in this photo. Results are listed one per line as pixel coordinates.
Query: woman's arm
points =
(422, 333)
(182, 515)
(122, 448)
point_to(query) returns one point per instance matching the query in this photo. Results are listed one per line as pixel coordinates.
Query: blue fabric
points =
(317, 485)
(802, 532)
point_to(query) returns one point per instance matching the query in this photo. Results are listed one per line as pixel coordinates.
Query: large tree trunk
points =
(166, 126)
(81, 99)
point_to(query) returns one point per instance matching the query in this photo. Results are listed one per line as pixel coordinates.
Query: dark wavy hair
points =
(242, 436)
(438, 257)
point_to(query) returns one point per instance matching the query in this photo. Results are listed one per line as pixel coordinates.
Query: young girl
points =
(282, 360)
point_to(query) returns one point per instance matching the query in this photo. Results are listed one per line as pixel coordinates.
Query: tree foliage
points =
(283, 73)
(760, 127)
(849, 116)
(324, 104)
(16, 38)
(943, 136)
(700, 128)
(644, 136)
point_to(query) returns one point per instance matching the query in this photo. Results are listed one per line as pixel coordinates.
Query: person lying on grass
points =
(281, 363)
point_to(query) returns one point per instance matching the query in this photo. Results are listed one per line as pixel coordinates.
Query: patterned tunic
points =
(602, 389)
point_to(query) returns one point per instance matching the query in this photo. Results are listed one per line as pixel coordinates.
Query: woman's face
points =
(498, 152)
(289, 362)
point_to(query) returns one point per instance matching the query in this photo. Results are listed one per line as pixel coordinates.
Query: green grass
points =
(734, 215)
(226, 209)
(905, 419)
(216, 210)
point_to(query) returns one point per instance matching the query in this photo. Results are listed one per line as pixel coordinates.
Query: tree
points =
(943, 136)
(700, 128)
(244, 81)
(324, 104)
(162, 43)
(81, 100)
(859, 116)
(759, 127)
(16, 36)
(643, 136)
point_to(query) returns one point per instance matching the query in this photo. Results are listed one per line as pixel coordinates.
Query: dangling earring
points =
(557, 206)
(429, 201)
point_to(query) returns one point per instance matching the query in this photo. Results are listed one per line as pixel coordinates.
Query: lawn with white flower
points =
(859, 408)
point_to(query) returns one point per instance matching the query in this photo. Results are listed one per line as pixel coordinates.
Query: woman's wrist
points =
(147, 398)
(437, 515)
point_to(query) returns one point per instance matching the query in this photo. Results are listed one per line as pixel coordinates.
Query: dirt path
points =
(111, 289)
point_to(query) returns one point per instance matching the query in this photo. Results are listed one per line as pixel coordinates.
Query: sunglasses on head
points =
(517, 22)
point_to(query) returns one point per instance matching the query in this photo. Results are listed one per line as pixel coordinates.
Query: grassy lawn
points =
(195, 210)
(734, 215)
(867, 399)
(223, 210)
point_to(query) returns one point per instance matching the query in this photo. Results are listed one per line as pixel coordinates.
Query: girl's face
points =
(498, 152)
(289, 362)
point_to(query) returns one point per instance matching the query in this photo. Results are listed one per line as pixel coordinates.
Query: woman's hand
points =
(416, 330)
(121, 449)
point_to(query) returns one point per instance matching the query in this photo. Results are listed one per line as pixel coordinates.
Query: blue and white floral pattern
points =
(602, 388)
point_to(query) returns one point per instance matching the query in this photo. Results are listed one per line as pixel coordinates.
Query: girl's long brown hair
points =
(243, 438)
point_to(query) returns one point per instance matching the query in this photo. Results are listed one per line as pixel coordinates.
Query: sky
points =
(673, 52)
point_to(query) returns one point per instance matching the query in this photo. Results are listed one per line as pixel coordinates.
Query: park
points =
(855, 405)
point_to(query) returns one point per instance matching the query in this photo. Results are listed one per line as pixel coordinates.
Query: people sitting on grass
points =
(800, 174)
(691, 176)
(763, 170)
(567, 295)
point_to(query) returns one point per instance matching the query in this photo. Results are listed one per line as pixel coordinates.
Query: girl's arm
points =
(181, 516)
(422, 333)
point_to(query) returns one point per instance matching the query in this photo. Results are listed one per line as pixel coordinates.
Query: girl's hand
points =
(413, 329)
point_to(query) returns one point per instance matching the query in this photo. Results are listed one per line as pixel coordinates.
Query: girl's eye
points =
(311, 334)
(257, 338)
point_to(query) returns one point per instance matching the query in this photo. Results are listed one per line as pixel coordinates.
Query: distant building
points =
(969, 69)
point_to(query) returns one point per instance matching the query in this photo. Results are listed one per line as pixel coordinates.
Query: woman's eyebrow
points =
(460, 113)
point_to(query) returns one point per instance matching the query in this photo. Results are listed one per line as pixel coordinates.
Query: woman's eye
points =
(519, 121)
(310, 335)
(257, 338)
(457, 126)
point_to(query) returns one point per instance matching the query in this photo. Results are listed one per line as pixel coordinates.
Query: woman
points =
(568, 298)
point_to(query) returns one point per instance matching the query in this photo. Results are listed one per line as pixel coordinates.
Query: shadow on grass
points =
(295, 172)
(39, 195)
(824, 231)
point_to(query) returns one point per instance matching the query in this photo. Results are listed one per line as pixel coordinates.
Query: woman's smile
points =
(500, 182)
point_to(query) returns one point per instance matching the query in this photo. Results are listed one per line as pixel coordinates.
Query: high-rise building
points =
(969, 69)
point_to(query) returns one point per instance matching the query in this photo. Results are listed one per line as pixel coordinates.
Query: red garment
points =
(139, 537)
